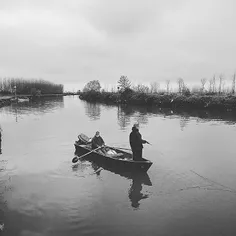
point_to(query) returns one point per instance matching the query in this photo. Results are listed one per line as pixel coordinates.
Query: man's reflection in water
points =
(135, 194)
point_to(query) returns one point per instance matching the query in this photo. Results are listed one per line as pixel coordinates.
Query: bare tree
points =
(223, 90)
(233, 83)
(168, 86)
(220, 83)
(181, 85)
(203, 81)
(141, 88)
(211, 90)
(154, 87)
(214, 84)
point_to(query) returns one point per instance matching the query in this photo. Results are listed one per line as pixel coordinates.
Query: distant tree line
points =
(32, 86)
(214, 86)
(217, 96)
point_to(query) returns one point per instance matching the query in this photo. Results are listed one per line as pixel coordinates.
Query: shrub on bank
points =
(91, 96)
(109, 97)
(174, 100)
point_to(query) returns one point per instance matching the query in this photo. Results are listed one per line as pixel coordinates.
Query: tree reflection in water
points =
(126, 112)
(92, 110)
(123, 116)
(142, 113)
(36, 107)
(184, 120)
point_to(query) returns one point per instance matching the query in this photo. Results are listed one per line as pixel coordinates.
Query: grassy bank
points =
(175, 100)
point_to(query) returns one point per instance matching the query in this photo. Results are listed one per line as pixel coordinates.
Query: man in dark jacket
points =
(98, 141)
(136, 142)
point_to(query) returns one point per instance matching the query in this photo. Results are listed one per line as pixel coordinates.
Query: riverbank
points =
(223, 102)
(6, 100)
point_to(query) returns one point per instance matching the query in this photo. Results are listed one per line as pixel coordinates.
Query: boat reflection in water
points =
(139, 179)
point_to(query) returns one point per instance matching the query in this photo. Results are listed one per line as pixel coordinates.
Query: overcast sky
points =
(75, 41)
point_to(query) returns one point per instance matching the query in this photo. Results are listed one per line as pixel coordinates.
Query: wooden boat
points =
(136, 176)
(118, 160)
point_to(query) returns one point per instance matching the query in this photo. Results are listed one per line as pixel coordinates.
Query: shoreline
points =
(7, 100)
(220, 102)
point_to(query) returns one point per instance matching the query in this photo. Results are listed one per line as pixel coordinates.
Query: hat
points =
(136, 125)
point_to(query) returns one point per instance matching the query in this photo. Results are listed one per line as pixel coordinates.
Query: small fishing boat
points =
(19, 99)
(112, 158)
(23, 99)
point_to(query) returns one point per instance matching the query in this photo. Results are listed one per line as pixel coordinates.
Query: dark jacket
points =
(135, 139)
(97, 142)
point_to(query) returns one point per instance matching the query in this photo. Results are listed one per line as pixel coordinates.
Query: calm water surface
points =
(189, 190)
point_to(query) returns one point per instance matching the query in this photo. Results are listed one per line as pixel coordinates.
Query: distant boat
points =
(21, 99)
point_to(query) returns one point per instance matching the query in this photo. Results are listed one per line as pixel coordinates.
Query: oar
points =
(118, 148)
(75, 159)
(128, 149)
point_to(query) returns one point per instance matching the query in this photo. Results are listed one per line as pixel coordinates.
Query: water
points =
(189, 190)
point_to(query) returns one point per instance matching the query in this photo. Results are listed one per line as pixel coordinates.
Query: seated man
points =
(97, 141)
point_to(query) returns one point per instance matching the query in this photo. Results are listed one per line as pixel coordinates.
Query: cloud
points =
(123, 17)
(81, 40)
(30, 233)
(40, 41)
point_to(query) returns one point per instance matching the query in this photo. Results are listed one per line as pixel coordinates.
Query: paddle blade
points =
(75, 159)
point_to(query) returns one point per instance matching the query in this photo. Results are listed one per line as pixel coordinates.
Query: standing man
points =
(136, 142)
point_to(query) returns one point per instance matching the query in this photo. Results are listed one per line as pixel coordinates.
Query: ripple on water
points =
(47, 195)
